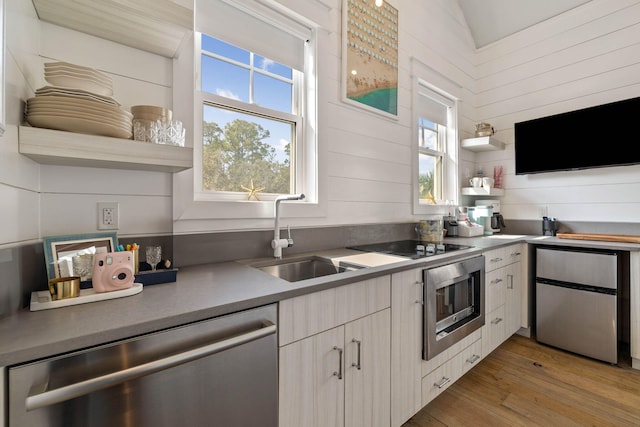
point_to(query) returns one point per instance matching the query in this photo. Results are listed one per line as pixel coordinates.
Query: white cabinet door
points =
(440, 379)
(495, 284)
(327, 378)
(406, 345)
(311, 381)
(513, 304)
(367, 371)
(493, 331)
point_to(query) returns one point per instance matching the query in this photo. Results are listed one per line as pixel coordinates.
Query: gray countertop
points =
(200, 292)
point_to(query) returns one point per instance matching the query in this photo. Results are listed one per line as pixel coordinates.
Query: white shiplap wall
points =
(587, 56)
(365, 166)
(366, 161)
(43, 200)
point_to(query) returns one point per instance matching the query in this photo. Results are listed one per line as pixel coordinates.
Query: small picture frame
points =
(370, 56)
(72, 255)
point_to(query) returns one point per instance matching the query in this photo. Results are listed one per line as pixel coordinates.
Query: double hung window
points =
(253, 101)
(435, 116)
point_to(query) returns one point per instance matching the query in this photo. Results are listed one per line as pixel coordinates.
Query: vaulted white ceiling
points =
(492, 20)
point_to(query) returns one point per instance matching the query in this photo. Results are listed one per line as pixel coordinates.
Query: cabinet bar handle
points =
(515, 253)
(496, 259)
(338, 373)
(421, 300)
(473, 359)
(359, 344)
(496, 320)
(496, 281)
(443, 382)
(510, 282)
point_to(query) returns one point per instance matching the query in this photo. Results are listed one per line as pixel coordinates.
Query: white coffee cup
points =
(476, 182)
(487, 182)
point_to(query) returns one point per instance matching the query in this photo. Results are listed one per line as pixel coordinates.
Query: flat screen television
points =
(600, 136)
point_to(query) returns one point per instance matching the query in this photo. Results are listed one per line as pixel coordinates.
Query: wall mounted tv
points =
(600, 136)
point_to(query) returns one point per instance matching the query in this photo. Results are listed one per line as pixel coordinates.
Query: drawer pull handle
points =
(359, 344)
(496, 320)
(496, 259)
(515, 253)
(496, 281)
(443, 382)
(338, 373)
(473, 359)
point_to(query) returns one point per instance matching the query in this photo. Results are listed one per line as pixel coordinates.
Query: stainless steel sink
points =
(304, 268)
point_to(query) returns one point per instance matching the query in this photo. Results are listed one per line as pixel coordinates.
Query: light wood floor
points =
(523, 383)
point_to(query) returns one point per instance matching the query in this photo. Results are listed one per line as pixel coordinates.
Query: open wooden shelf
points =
(481, 191)
(54, 147)
(482, 143)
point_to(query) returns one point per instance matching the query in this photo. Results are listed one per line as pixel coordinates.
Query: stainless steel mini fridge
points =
(576, 301)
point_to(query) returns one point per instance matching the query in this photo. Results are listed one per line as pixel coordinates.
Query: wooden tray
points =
(41, 300)
(620, 238)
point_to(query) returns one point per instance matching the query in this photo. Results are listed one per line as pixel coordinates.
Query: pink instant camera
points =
(112, 271)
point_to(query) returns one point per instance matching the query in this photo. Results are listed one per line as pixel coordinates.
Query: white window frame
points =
(191, 211)
(206, 98)
(450, 192)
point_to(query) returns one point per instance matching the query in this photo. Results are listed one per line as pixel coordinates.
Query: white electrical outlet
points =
(108, 216)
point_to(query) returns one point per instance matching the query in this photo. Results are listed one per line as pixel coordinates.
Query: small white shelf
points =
(481, 191)
(482, 143)
(54, 147)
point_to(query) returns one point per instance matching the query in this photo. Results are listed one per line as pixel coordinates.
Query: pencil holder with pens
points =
(136, 262)
(134, 249)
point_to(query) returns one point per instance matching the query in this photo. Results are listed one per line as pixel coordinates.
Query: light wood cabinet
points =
(513, 303)
(448, 366)
(368, 371)
(335, 357)
(310, 314)
(503, 296)
(377, 325)
(493, 331)
(311, 381)
(406, 345)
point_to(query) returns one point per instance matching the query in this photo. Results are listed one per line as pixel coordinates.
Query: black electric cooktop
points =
(410, 248)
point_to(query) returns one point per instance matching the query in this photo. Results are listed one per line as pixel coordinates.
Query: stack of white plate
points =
(75, 93)
(63, 74)
(80, 100)
(79, 115)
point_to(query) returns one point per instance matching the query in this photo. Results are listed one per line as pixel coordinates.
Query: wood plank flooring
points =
(523, 383)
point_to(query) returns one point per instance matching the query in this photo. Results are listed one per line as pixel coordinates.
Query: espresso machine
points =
(496, 222)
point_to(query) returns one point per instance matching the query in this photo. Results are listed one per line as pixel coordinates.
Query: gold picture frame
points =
(370, 56)
(62, 252)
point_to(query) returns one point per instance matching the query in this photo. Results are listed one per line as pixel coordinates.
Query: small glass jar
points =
(430, 230)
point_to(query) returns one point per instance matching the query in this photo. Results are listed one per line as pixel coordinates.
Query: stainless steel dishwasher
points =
(576, 301)
(218, 372)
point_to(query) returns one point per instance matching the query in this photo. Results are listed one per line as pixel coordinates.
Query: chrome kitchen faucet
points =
(277, 243)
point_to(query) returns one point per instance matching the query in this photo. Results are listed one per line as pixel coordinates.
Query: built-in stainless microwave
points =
(453, 304)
